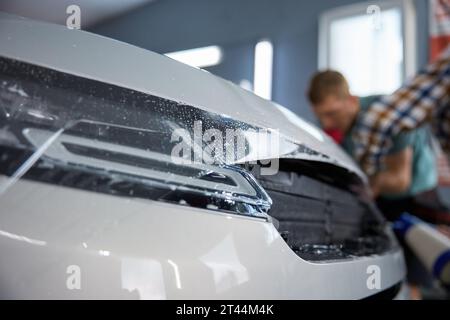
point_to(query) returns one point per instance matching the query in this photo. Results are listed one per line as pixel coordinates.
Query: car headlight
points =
(66, 130)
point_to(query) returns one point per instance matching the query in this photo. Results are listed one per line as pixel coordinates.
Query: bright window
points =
(263, 69)
(373, 46)
(199, 57)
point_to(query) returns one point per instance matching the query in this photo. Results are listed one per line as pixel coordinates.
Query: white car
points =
(94, 204)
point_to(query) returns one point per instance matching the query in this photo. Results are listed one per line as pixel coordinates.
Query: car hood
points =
(103, 59)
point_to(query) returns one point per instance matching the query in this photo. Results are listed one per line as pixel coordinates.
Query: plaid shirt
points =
(423, 99)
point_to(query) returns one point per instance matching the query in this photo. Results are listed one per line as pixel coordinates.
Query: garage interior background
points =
(236, 26)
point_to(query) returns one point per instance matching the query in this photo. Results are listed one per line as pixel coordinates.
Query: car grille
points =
(324, 220)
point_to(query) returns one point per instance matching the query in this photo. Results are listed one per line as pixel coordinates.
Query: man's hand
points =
(397, 176)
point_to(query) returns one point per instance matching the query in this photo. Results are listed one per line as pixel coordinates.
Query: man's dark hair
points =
(327, 83)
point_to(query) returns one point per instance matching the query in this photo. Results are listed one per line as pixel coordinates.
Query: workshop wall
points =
(236, 25)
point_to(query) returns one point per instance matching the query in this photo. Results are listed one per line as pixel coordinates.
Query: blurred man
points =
(406, 181)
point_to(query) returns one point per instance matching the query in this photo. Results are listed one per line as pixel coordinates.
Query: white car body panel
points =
(204, 255)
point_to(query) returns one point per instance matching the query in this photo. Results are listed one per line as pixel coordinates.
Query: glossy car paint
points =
(149, 250)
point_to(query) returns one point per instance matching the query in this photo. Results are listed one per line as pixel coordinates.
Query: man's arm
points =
(397, 176)
(422, 99)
